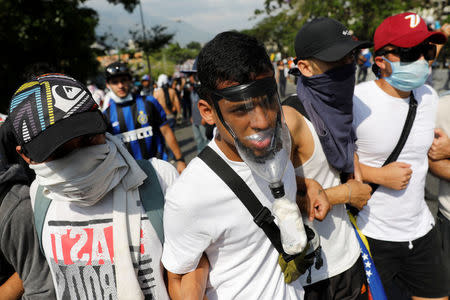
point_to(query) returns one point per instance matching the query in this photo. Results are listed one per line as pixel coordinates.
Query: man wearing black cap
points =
(88, 204)
(398, 225)
(319, 118)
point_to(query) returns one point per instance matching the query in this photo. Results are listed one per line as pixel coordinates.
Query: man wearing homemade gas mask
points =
(319, 118)
(203, 212)
(397, 222)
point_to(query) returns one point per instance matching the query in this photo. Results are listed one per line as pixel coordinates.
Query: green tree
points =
(55, 33)
(156, 38)
(361, 16)
(178, 54)
(194, 45)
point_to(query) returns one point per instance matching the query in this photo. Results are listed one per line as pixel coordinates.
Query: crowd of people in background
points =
(315, 195)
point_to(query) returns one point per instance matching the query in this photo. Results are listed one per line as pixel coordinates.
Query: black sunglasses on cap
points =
(412, 54)
(117, 69)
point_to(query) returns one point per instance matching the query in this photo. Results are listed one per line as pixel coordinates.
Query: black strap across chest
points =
(261, 214)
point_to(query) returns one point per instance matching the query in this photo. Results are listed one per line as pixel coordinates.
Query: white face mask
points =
(117, 99)
(84, 176)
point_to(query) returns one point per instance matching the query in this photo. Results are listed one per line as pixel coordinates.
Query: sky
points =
(211, 16)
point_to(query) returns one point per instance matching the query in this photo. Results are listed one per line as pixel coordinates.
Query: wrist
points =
(349, 196)
(181, 158)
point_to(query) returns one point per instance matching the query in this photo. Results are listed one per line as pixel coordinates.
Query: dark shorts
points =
(411, 272)
(443, 227)
(349, 285)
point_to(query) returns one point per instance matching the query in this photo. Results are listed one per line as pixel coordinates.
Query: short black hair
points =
(231, 56)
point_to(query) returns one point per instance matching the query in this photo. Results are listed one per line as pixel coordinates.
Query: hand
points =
(312, 199)
(396, 175)
(360, 193)
(440, 149)
(181, 165)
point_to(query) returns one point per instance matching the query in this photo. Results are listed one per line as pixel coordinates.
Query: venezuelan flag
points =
(376, 290)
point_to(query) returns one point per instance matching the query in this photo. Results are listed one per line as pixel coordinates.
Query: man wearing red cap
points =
(396, 221)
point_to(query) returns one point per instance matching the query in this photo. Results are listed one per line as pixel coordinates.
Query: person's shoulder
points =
(163, 167)
(363, 94)
(426, 95)
(149, 98)
(444, 106)
(445, 99)
(426, 90)
(194, 183)
(16, 206)
(365, 86)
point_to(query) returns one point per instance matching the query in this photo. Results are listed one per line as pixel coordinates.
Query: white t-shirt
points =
(78, 245)
(202, 214)
(443, 122)
(392, 215)
(340, 247)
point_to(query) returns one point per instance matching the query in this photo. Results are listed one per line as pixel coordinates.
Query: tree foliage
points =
(178, 54)
(54, 33)
(361, 16)
(194, 46)
(155, 38)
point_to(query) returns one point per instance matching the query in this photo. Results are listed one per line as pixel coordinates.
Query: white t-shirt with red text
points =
(78, 245)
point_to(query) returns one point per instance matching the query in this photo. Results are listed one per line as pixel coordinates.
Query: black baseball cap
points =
(325, 39)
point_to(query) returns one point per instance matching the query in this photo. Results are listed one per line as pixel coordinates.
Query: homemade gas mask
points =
(252, 115)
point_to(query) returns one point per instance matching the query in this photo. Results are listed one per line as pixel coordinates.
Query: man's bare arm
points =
(191, 285)
(171, 141)
(12, 289)
(352, 192)
(395, 175)
(312, 199)
(175, 100)
(440, 149)
(440, 168)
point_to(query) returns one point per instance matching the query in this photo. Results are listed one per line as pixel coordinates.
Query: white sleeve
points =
(186, 235)
(33, 189)
(167, 174)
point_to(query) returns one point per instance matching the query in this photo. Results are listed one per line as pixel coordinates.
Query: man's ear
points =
(385, 68)
(305, 68)
(206, 111)
(381, 63)
(19, 151)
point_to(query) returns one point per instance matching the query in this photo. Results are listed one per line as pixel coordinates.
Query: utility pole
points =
(145, 38)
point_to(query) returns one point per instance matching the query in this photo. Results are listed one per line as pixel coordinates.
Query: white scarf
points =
(84, 177)
(119, 100)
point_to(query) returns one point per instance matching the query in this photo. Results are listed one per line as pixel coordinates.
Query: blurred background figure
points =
(364, 61)
(147, 87)
(281, 78)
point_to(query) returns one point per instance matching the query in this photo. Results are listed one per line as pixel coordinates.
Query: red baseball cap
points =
(405, 30)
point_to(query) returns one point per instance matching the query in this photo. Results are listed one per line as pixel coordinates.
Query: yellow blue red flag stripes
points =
(376, 290)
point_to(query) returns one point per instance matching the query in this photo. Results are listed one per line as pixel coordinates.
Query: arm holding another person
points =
(395, 175)
(439, 154)
(191, 285)
(440, 149)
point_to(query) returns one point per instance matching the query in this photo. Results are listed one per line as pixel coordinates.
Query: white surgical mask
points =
(408, 76)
